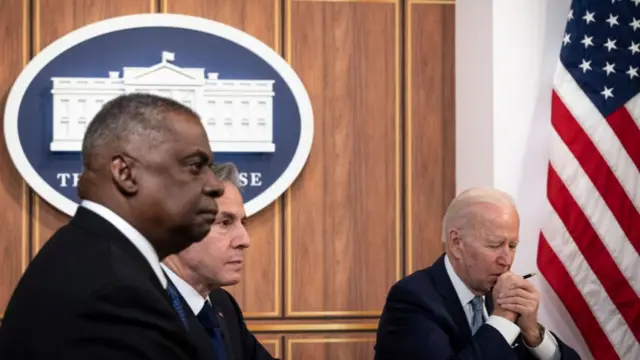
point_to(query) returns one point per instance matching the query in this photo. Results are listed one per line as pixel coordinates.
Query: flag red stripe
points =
(596, 167)
(627, 131)
(560, 280)
(594, 251)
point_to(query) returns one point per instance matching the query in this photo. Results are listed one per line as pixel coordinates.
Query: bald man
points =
(468, 304)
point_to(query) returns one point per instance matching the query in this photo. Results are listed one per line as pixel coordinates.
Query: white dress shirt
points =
(546, 350)
(190, 295)
(138, 240)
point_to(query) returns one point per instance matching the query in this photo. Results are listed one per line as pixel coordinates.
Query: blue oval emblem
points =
(254, 107)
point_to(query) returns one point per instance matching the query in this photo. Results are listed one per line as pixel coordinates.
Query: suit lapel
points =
(226, 336)
(199, 335)
(102, 228)
(444, 287)
(196, 333)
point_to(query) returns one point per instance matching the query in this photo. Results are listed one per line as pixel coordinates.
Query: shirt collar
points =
(190, 295)
(464, 294)
(138, 240)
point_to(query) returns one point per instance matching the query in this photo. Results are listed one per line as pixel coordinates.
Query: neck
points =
(203, 287)
(121, 208)
(459, 270)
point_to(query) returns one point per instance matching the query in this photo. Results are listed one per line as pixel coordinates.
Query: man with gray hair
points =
(96, 289)
(468, 304)
(199, 272)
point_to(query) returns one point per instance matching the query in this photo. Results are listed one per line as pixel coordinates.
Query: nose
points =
(213, 186)
(242, 240)
(505, 257)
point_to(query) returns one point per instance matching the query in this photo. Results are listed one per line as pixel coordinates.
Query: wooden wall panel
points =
(273, 344)
(429, 126)
(259, 293)
(368, 205)
(330, 347)
(343, 213)
(259, 18)
(53, 19)
(14, 37)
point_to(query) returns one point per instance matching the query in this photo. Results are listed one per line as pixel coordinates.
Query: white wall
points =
(506, 53)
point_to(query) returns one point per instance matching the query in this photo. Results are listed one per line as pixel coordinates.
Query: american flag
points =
(588, 249)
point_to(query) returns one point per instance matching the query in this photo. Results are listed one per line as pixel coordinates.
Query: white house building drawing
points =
(237, 114)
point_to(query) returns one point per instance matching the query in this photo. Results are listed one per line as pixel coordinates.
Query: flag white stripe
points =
(592, 204)
(600, 304)
(601, 134)
(633, 107)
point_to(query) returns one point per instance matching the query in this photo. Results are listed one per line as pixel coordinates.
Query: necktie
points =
(478, 317)
(208, 320)
(175, 302)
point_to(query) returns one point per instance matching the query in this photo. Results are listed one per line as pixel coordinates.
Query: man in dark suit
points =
(96, 289)
(442, 312)
(199, 272)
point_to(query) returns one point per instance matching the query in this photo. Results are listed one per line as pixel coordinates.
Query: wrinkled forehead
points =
(486, 216)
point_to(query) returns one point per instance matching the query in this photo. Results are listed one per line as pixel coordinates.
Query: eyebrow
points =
(227, 214)
(231, 216)
(198, 153)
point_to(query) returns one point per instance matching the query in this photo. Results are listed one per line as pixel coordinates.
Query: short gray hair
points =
(228, 172)
(125, 118)
(462, 208)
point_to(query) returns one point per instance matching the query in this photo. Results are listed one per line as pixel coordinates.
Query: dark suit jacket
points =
(90, 294)
(239, 341)
(197, 332)
(423, 319)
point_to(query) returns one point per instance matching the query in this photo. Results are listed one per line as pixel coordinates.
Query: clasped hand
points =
(517, 300)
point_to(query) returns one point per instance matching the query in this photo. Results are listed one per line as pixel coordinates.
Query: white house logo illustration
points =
(237, 114)
(254, 107)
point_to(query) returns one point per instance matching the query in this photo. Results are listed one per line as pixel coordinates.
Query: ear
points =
(123, 175)
(455, 243)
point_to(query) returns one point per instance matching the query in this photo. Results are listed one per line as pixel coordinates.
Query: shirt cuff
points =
(506, 328)
(547, 349)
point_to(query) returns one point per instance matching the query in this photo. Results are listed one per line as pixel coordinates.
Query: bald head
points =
(471, 207)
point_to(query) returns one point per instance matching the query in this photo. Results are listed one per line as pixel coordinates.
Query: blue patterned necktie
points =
(478, 317)
(176, 303)
(208, 320)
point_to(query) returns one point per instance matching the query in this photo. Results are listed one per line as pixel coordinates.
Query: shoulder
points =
(222, 296)
(417, 284)
(414, 294)
(225, 302)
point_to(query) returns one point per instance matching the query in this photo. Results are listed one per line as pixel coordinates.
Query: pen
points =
(529, 275)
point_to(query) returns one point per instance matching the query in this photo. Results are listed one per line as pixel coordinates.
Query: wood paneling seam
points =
(288, 242)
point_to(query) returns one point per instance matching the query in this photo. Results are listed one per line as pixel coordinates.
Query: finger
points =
(507, 280)
(517, 308)
(514, 300)
(518, 292)
(525, 284)
(523, 306)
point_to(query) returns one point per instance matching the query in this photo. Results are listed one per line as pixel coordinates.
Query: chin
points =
(230, 282)
(199, 233)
